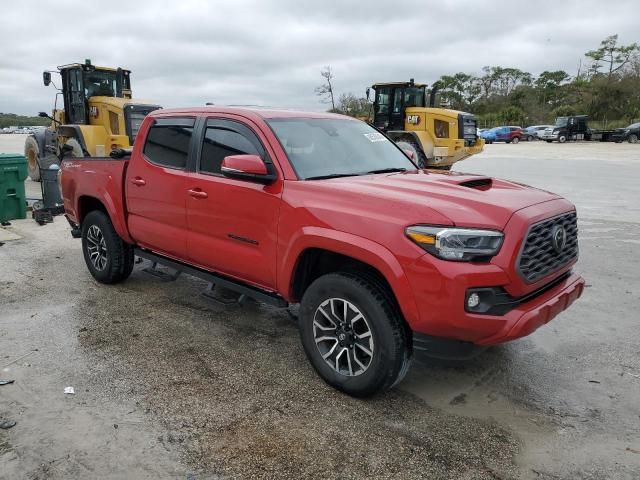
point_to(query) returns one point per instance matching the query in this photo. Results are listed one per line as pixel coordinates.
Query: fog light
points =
(473, 300)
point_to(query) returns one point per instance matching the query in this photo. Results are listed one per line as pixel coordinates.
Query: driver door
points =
(232, 223)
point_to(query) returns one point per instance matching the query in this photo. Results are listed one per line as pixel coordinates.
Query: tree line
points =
(606, 87)
(13, 120)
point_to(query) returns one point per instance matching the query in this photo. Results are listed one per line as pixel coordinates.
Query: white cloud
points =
(271, 52)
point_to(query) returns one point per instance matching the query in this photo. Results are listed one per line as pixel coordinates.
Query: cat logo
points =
(93, 111)
(413, 119)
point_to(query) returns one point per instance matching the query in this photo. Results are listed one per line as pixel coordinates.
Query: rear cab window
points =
(168, 142)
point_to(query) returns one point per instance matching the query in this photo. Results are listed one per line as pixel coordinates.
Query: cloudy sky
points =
(185, 52)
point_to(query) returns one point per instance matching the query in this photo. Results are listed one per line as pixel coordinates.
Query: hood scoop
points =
(482, 183)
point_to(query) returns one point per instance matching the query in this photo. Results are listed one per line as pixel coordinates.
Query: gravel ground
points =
(171, 385)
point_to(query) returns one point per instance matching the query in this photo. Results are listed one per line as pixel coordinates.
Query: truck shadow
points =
(236, 395)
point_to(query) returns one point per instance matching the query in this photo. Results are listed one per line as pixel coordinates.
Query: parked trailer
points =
(574, 128)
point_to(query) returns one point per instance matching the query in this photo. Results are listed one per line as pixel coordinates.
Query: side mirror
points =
(43, 114)
(368, 91)
(46, 78)
(246, 167)
(409, 153)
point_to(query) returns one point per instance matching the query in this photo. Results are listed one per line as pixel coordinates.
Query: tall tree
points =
(610, 56)
(325, 91)
(548, 85)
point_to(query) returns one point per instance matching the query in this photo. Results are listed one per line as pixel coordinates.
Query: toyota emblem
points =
(558, 238)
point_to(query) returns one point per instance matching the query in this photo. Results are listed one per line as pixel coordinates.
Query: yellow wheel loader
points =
(438, 137)
(97, 116)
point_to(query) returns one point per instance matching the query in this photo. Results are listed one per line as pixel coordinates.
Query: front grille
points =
(539, 255)
(467, 129)
(134, 114)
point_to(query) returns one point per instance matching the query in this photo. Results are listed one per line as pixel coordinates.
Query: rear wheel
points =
(353, 334)
(633, 138)
(32, 154)
(515, 140)
(530, 138)
(108, 257)
(36, 159)
(418, 154)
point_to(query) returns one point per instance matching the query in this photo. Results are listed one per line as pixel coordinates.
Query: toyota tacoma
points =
(384, 258)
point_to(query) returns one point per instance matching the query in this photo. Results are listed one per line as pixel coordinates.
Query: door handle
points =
(138, 181)
(197, 193)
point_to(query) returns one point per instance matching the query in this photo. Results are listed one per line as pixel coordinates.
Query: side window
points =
(397, 100)
(168, 142)
(441, 128)
(220, 142)
(382, 100)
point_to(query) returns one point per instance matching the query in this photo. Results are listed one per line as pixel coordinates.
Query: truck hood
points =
(465, 199)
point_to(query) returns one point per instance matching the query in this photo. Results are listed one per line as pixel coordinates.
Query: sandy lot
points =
(171, 385)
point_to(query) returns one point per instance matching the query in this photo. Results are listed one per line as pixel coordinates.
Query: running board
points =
(242, 288)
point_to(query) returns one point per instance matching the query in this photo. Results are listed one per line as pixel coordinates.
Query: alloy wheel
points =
(97, 247)
(343, 337)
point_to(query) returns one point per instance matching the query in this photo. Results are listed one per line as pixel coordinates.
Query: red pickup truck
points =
(385, 259)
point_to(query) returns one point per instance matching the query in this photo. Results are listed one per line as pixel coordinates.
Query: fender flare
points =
(106, 200)
(359, 248)
(74, 131)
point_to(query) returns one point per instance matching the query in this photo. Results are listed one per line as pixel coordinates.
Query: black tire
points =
(515, 140)
(118, 256)
(391, 348)
(633, 138)
(562, 138)
(549, 141)
(35, 160)
(530, 138)
(32, 154)
(419, 156)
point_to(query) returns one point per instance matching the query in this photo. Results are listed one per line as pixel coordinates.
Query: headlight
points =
(458, 244)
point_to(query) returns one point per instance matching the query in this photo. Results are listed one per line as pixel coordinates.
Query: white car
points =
(534, 132)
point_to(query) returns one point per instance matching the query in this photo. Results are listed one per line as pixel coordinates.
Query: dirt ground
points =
(169, 384)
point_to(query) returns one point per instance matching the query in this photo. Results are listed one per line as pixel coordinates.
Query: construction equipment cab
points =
(438, 137)
(98, 115)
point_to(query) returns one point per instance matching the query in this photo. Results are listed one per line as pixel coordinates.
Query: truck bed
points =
(84, 178)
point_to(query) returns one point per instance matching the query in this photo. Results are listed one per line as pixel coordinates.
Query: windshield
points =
(100, 83)
(634, 125)
(561, 122)
(320, 147)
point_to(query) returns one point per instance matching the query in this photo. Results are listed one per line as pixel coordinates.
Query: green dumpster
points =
(13, 173)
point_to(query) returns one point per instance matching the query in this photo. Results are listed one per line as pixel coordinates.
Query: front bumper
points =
(440, 289)
(548, 136)
(528, 317)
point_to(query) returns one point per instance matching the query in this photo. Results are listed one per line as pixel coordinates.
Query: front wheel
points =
(562, 138)
(549, 141)
(530, 138)
(419, 157)
(353, 334)
(108, 258)
(633, 138)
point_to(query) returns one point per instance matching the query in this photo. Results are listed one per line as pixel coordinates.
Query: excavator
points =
(98, 115)
(437, 137)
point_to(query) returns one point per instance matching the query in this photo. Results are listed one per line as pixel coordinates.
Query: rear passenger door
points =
(233, 223)
(156, 187)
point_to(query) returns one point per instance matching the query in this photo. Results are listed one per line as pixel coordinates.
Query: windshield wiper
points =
(388, 170)
(333, 175)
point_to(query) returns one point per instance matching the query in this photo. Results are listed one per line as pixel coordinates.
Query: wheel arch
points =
(88, 203)
(317, 251)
